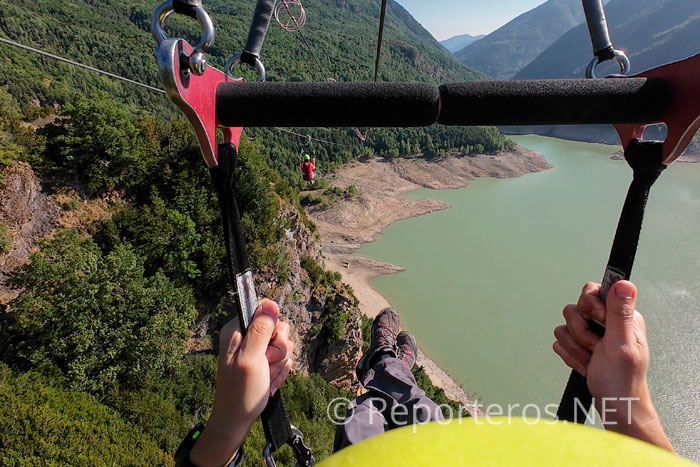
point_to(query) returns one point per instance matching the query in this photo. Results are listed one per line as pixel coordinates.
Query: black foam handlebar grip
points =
(536, 102)
(554, 102)
(327, 104)
(258, 28)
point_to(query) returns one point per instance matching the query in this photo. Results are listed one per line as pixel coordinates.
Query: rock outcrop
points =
(28, 213)
(307, 307)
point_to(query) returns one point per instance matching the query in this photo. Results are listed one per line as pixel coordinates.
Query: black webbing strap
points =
(380, 40)
(186, 7)
(258, 31)
(598, 29)
(274, 418)
(645, 159)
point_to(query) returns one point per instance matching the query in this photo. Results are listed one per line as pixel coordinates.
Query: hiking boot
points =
(407, 349)
(384, 330)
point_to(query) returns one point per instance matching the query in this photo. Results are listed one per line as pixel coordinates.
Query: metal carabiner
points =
(236, 59)
(197, 61)
(302, 453)
(618, 55)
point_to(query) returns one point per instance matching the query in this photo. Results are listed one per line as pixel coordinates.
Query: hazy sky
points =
(447, 18)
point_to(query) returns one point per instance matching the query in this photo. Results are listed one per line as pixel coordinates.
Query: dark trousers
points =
(393, 400)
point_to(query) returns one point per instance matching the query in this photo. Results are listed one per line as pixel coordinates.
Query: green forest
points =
(97, 345)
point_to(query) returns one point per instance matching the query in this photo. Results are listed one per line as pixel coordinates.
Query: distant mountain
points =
(504, 52)
(457, 43)
(652, 32)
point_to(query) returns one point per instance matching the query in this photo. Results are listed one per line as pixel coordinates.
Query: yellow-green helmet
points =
(307, 157)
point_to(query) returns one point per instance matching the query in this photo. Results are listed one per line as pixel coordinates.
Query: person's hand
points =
(250, 371)
(615, 366)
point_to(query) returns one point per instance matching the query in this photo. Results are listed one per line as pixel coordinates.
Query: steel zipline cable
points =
(298, 28)
(131, 81)
(309, 137)
(78, 64)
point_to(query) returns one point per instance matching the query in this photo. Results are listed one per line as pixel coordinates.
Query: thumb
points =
(619, 311)
(261, 328)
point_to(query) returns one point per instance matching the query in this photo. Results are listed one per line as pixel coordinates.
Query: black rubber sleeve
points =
(540, 102)
(186, 7)
(598, 29)
(222, 177)
(327, 104)
(554, 102)
(258, 31)
(645, 159)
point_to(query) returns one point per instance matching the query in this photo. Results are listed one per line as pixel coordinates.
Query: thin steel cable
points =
(78, 64)
(303, 38)
(309, 137)
(380, 39)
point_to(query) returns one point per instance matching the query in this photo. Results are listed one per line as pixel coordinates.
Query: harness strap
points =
(278, 430)
(645, 159)
(598, 29)
(258, 31)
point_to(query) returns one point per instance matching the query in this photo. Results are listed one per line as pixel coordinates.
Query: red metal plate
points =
(682, 117)
(196, 97)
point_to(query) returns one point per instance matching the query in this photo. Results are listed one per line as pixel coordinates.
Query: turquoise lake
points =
(486, 280)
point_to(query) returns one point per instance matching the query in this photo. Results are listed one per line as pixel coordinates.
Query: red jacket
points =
(307, 168)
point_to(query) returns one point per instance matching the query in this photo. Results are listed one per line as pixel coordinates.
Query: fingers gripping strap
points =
(645, 159)
(274, 418)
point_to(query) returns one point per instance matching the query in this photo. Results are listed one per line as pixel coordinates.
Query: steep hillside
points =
(507, 50)
(652, 32)
(115, 36)
(457, 43)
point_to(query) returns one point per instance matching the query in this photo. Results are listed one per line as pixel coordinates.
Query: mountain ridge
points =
(652, 32)
(457, 43)
(508, 49)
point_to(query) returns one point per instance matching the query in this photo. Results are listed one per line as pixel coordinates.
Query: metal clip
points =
(302, 453)
(196, 62)
(618, 55)
(236, 59)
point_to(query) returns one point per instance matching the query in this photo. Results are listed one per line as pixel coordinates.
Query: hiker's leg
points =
(389, 378)
(364, 420)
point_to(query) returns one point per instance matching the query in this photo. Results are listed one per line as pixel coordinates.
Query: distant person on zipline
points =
(615, 366)
(307, 168)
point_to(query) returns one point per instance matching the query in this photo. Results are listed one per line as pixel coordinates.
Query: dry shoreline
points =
(348, 223)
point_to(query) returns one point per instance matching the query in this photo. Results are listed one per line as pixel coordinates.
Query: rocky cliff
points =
(29, 214)
(310, 308)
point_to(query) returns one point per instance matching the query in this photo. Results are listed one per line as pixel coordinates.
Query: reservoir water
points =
(486, 280)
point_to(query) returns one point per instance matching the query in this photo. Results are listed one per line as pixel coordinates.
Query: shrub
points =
(309, 200)
(5, 239)
(94, 318)
(47, 425)
(312, 268)
(100, 143)
(72, 205)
